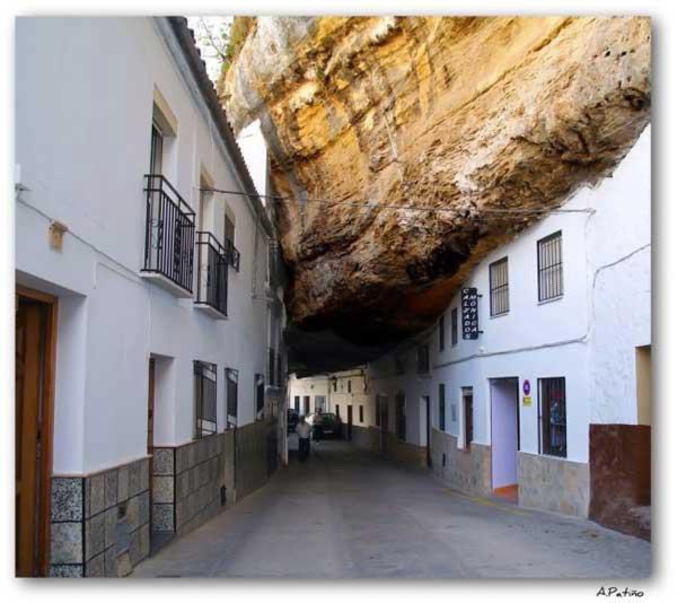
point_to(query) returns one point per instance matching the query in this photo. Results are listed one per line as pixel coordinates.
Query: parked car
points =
(292, 419)
(331, 425)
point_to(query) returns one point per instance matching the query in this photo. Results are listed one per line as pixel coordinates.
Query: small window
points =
(297, 403)
(306, 405)
(423, 359)
(320, 404)
(467, 395)
(498, 287)
(441, 329)
(349, 386)
(361, 413)
(401, 416)
(553, 416)
(205, 398)
(550, 277)
(454, 326)
(338, 411)
(231, 396)
(260, 382)
(442, 405)
(334, 382)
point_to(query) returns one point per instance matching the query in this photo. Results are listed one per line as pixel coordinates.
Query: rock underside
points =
(398, 144)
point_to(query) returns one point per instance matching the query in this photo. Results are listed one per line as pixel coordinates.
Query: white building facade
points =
(153, 298)
(550, 404)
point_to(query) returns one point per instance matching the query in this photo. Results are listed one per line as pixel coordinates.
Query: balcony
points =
(170, 237)
(212, 276)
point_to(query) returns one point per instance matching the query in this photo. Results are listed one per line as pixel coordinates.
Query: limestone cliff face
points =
(466, 116)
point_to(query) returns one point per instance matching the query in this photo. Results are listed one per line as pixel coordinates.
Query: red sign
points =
(526, 387)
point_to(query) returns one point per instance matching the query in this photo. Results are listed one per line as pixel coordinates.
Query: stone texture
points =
(95, 490)
(163, 518)
(163, 461)
(110, 563)
(111, 488)
(123, 483)
(66, 571)
(163, 489)
(95, 535)
(96, 567)
(66, 543)
(67, 498)
(470, 116)
(467, 470)
(553, 484)
(110, 519)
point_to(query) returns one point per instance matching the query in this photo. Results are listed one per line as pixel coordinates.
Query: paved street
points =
(348, 514)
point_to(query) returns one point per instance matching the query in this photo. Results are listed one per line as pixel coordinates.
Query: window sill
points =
(165, 283)
(551, 300)
(501, 315)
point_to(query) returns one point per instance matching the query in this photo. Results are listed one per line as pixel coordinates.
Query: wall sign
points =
(470, 316)
(526, 401)
(526, 387)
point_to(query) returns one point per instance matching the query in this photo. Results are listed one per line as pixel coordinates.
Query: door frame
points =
(516, 381)
(47, 428)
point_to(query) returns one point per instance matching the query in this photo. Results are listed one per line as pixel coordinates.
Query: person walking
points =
(317, 425)
(303, 431)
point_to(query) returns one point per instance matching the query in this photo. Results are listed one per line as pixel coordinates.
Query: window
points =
(320, 404)
(401, 416)
(442, 404)
(553, 416)
(260, 382)
(156, 147)
(423, 359)
(441, 325)
(469, 431)
(297, 403)
(550, 278)
(334, 383)
(498, 288)
(361, 413)
(349, 386)
(454, 326)
(228, 229)
(306, 405)
(205, 398)
(338, 410)
(231, 396)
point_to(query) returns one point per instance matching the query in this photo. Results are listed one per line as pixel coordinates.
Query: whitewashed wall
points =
(83, 142)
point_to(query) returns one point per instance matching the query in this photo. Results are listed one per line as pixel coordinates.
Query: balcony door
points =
(35, 332)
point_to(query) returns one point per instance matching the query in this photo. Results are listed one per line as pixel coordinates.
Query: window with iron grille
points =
(467, 395)
(553, 416)
(441, 329)
(349, 386)
(205, 398)
(260, 382)
(442, 406)
(454, 326)
(338, 411)
(550, 275)
(423, 359)
(498, 287)
(297, 403)
(401, 416)
(231, 396)
(361, 413)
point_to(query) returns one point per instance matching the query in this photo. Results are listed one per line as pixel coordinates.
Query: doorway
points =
(35, 354)
(349, 433)
(428, 455)
(504, 436)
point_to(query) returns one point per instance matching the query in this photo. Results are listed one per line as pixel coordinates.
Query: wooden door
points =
(350, 422)
(34, 376)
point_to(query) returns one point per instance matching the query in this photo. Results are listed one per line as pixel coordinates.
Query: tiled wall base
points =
(252, 457)
(553, 484)
(100, 522)
(466, 470)
(369, 438)
(366, 438)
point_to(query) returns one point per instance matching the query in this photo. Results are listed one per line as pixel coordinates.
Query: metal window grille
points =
(441, 327)
(442, 407)
(212, 276)
(297, 403)
(232, 377)
(170, 233)
(338, 411)
(553, 416)
(468, 416)
(454, 326)
(260, 392)
(498, 287)
(423, 359)
(271, 366)
(550, 274)
(205, 398)
(401, 416)
(349, 386)
(361, 413)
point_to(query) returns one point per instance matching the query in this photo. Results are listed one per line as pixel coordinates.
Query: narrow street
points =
(349, 514)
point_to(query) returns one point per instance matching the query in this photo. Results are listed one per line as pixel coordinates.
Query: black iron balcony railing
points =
(232, 254)
(170, 233)
(212, 276)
